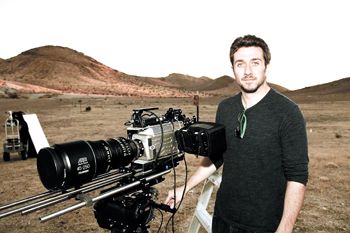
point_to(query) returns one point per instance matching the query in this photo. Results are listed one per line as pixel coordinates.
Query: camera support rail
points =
(49, 198)
(102, 196)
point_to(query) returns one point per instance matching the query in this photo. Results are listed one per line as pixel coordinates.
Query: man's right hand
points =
(170, 200)
(205, 169)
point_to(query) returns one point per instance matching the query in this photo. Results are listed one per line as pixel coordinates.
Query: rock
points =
(332, 165)
(324, 178)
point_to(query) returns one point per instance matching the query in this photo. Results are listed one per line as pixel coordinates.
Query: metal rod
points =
(100, 197)
(46, 204)
(27, 199)
(50, 193)
(17, 210)
(85, 189)
(88, 187)
(112, 192)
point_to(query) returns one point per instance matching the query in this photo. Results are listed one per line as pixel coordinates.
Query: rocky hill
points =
(60, 70)
(336, 90)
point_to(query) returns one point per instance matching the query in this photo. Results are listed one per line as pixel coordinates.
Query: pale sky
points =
(309, 39)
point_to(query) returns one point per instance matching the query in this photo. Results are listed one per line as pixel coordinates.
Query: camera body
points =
(175, 133)
(156, 140)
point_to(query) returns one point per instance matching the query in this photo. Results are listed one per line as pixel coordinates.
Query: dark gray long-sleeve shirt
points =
(256, 168)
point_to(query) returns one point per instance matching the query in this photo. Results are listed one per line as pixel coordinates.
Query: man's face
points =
(249, 68)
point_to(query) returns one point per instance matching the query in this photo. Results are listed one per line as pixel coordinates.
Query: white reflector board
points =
(36, 132)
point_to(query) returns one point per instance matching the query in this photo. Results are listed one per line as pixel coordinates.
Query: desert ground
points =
(64, 118)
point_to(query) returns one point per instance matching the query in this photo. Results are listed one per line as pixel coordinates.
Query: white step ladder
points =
(201, 216)
(36, 132)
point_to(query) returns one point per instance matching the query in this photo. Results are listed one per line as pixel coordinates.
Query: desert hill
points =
(339, 86)
(61, 70)
(186, 81)
(336, 90)
(56, 69)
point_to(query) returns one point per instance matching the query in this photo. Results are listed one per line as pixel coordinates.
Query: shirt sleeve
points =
(294, 146)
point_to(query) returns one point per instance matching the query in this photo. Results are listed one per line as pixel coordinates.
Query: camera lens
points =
(72, 164)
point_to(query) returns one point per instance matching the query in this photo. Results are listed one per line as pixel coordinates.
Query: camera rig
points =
(125, 169)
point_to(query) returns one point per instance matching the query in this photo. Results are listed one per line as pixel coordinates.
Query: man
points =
(265, 167)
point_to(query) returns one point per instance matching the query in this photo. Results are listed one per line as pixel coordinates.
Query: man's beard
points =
(246, 90)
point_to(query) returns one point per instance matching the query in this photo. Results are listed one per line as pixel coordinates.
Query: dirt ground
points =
(327, 203)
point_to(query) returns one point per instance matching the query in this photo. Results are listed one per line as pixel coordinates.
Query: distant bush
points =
(11, 93)
(338, 135)
(49, 95)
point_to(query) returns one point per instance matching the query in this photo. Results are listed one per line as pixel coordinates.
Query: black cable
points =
(185, 186)
(161, 222)
(174, 187)
(180, 202)
(174, 171)
(172, 216)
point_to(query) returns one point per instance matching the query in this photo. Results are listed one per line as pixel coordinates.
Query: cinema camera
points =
(126, 168)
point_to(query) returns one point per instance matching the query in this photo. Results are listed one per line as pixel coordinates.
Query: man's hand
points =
(170, 200)
(293, 202)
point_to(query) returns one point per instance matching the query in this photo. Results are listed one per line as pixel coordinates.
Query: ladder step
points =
(201, 216)
(204, 218)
